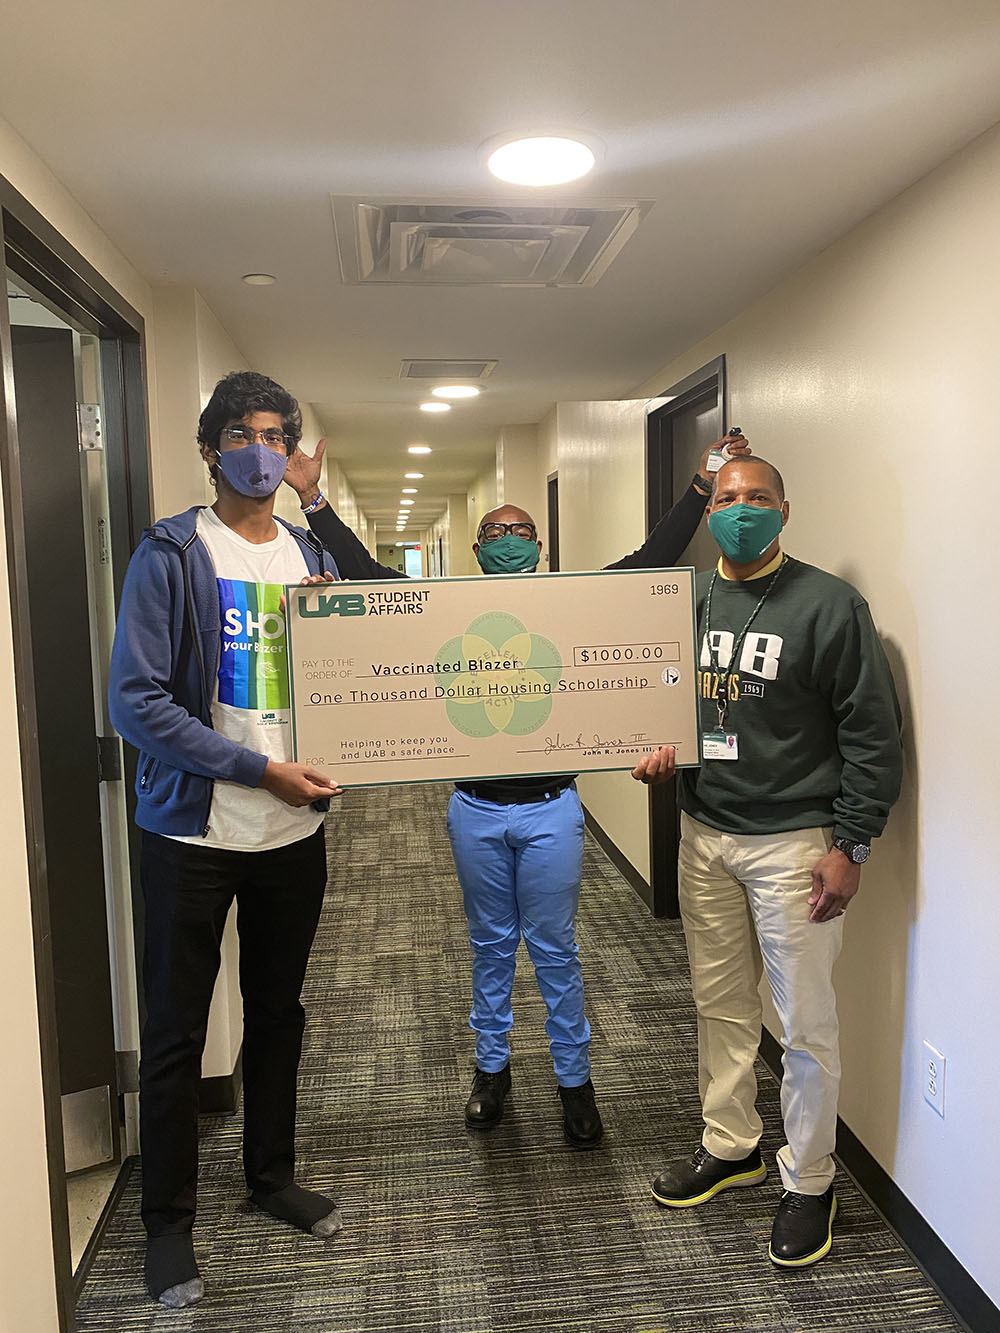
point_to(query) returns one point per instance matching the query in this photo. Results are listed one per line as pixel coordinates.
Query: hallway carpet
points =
(510, 1231)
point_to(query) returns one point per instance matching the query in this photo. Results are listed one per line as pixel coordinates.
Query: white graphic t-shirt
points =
(251, 702)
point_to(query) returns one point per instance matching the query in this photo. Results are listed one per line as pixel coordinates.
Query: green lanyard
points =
(722, 694)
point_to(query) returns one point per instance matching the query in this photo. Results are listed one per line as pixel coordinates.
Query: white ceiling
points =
(207, 137)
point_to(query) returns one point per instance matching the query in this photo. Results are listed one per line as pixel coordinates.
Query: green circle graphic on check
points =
(497, 676)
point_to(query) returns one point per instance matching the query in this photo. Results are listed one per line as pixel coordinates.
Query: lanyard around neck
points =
(722, 693)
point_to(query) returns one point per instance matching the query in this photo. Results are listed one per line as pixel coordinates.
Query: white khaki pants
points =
(744, 904)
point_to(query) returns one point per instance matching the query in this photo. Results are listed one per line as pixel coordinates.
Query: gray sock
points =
(329, 1225)
(303, 1208)
(185, 1293)
(171, 1272)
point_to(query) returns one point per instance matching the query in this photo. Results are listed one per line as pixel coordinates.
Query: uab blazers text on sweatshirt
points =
(813, 704)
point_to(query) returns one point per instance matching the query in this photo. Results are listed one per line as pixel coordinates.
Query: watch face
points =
(857, 851)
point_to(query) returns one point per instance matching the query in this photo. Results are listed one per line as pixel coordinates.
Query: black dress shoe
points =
(484, 1109)
(697, 1179)
(582, 1123)
(803, 1229)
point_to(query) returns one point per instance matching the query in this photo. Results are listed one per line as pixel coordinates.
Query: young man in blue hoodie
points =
(199, 685)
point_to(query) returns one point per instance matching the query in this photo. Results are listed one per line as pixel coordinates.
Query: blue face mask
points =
(255, 470)
(744, 532)
(509, 555)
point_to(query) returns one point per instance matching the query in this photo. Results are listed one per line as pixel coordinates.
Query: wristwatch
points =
(858, 852)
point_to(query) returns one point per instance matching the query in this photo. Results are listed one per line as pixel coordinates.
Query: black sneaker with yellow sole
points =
(803, 1229)
(697, 1179)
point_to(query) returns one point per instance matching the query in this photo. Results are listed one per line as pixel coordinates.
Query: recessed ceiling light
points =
(456, 391)
(418, 449)
(407, 502)
(541, 160)
(435, 407)
(259, 279)
(414, 476)
(409, 490)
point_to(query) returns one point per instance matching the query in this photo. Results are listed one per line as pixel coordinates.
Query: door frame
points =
(701, 384)
(552, 518)
(36, 251)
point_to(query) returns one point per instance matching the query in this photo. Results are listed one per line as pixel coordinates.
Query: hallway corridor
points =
(510, 1231)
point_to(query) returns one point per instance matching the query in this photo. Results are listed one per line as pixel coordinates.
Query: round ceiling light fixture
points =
(456, 391)
(435, 407)
(418, 449)
(540, 159)
(409, 490)
(407, 502)
(414, 476)
(259, 279)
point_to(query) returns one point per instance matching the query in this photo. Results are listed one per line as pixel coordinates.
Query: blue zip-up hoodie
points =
(162, 681)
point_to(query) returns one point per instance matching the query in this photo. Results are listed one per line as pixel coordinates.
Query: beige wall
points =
(868, 379)
(519, 479)
(27, 1286)
(187, 350)
(460, 539)
(600, 519)
(482, 495)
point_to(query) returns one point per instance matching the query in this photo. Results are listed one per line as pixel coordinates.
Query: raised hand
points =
(302, 472)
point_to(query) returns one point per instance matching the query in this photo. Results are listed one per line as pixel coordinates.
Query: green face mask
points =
(509, 555)
(744, 532)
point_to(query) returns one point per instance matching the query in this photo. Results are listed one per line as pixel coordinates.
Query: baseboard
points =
(619, 860)
(220, 1095)
(967, 1299)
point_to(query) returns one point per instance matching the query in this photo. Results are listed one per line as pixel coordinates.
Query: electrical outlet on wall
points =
(934, 1066)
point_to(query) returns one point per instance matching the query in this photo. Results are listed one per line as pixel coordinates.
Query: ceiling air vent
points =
(446, 371)
(389, 241)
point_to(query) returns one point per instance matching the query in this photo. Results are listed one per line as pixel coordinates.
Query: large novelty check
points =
(427, 679)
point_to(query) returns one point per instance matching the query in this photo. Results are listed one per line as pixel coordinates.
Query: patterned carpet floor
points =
(508, 1232)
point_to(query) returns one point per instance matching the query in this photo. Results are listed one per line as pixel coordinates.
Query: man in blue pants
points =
(518, 842)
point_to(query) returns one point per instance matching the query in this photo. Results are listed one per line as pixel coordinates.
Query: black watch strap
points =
(858, 852)
(702, 486)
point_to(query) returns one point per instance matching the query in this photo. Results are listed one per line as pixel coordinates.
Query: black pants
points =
(188, 890)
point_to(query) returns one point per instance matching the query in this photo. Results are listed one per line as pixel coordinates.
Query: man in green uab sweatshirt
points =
(801, 762)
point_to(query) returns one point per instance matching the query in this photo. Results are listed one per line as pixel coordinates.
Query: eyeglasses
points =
(492, 532)
(274, 439)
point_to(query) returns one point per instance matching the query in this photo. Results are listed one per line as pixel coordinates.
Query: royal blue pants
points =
(519, 867)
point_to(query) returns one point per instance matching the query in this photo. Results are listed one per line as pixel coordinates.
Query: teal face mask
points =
(744, 532)
(509, 555)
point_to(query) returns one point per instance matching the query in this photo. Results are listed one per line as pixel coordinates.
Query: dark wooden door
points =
(677, 434)
(59, 613)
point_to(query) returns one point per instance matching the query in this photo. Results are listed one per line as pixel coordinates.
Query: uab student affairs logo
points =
(497, 676)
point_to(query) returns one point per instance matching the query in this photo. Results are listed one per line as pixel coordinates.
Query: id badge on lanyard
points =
(720, 745)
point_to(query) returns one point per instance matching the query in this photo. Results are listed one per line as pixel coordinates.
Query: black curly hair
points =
(237, 395)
